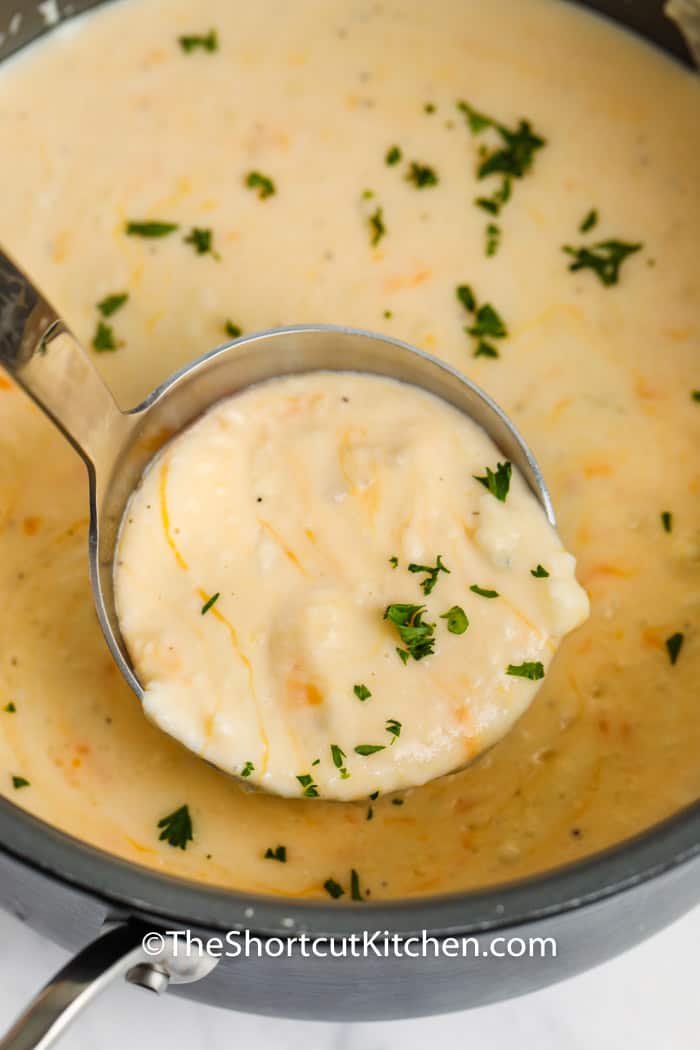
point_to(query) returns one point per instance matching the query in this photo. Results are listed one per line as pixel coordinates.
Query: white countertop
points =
(646, 997)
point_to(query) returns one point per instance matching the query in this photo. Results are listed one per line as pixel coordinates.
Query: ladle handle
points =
(41, 354)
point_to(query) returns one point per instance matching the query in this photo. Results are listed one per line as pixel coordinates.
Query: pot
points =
(73, 893)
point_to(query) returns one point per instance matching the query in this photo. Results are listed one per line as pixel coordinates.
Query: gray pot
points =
(73, 892)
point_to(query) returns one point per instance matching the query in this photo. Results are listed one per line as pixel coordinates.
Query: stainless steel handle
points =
(40, 353)
(117, 953)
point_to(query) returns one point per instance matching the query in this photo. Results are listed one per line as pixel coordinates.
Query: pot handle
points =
(117, 953)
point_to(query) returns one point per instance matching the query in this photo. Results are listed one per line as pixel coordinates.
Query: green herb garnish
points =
(589, 221)
(200, 239)
(393, 156)
(310, 790)
(151, 228)
(10, 708)
(604, 258)
(177, 828)
(540, 572)
(20, 782)
(493, 238)
(695, 395)
(232, 330)
(498, 198)
(394, 728)
(208, 42)
(111, 303)
(528, 669)
(417, 636)
(666, 520)
(487, 322)
(248, 768)
(264, 185)
(421, 175)
(369, 749)
(394, 562)
(466, 297)
(338, 757)
(429, 582)
(397, 802)
(377, 227)
(355, 886)
(212, 601)
(457, 620)
(333, 888)
(674, 644)
(103, 339)
(498, 481)
(361, 692)
(279, 853)
(483, 592)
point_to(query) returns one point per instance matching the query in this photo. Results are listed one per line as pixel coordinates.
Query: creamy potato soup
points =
(176, 172)
(283, 571)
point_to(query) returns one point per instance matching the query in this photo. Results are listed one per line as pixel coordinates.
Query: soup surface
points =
(283, 570)
(291, 167)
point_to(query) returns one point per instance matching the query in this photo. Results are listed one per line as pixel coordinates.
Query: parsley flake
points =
(604, 258)
(177, 828)
(457, 620)
(497, 482)
(483, 592)
(355, 893)
(493, 238)
(206, 42)
(528, 669)
(540, 572)
(377, 227)
(666, 520)
(212, 601)
(248, 768)
(361, 692)
(369, 749)
(590, 220)
(279, 853)
(333, 888)
(264, 185)
(674, 644)
(429, 582)
(20, 782)
(151, 228)
(310, 790)
(111, 303)
(394, 562)
(232, 330)
(393, 156)
(421, 175)
(200, 239)
(394, 729)
(10, 707)
(417, 636)
(103, 340)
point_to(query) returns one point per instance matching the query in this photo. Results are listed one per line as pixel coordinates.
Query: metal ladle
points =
(42, 355)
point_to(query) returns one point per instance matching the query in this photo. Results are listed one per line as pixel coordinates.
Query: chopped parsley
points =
(493, 238)
(316, 762)
(483, 592)
(20, 782)
(200, 239)
(590, 220)
(206, 42)
(604, 258)
(511, 158)
(666, 520)
(540, 572)
(177, 828)
(674, 644)
(429, 107)
(103, 339)
(429, 582)
(421, 175)
(111, 303)
(457, 620)
(151, 228)
(695, 395)
(333, 888)
(232, 330)
(361, 692)
(355, 886)
(394, 562)
(264, 185)
(370, 813)
(498, 481)
(369, 749)
(417, 636)
(310, 790)
(487, 322)
(10, 707)
(279, 853)
(397, 802)
(377, 227)
(212, 601)
(248, 768)
(338, 756)
(528, 669)
(374, 796)
(393, 156)
(393, 728)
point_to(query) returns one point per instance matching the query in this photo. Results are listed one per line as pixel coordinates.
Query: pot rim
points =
(185, 903)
